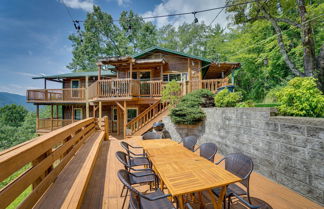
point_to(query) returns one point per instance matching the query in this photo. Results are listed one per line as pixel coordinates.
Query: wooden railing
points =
(151, 88)
(146, 116)
(52, 124)
(45, 95)
(48, 155)
(210, 84)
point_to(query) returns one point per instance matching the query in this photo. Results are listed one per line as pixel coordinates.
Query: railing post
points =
(51, 117)
(106, 121)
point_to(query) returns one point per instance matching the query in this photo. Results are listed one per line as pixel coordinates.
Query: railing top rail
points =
(55, 89)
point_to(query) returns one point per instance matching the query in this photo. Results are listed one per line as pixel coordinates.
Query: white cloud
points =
(86, 5)
(179, 6)
(122, 2)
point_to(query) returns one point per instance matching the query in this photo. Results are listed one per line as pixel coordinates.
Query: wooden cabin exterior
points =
(130, 95)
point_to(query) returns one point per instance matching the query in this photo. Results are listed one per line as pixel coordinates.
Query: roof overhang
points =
(124, 62)
(216, 70)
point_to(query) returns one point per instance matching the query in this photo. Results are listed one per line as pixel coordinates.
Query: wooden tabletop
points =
(155, 143)
(184, 171)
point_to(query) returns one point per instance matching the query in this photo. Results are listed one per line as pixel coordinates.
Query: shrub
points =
(301, 97)
(188, 111)
(225, 98)
(171, 92)
(248, 103)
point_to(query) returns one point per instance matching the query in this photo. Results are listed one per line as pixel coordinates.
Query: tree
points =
(171, 93)
(12, 115)
(283, 14)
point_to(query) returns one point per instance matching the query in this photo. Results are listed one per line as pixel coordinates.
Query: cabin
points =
(127, 89)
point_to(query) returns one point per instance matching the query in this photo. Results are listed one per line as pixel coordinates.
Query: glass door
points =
(75, 85)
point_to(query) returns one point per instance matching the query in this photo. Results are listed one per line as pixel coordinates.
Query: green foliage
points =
(12, 115)
(171, 92)
(16, 125)
(248, 103)
(225, 98)
(188, 111)
(266, 105)
(301, 97)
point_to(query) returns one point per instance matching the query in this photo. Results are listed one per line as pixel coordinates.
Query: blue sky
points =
(33, 33)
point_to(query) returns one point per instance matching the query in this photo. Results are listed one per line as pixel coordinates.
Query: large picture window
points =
(131, 113)
(175, 76)
(78, 114)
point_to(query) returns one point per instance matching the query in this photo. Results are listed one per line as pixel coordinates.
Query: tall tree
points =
(283, 13)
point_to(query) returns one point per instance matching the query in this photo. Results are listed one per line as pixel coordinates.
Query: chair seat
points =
(157, 204)
(137, 161)
(232, 188)
(142, 179)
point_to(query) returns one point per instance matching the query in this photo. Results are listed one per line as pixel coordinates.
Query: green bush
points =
(301, 97)
(247, 103)
(266, 105)
(171, 92)
(225, 98)
(188, 111)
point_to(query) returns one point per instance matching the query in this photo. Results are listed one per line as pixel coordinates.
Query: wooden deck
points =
(104, 187)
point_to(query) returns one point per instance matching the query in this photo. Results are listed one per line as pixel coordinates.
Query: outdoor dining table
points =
(184, 172)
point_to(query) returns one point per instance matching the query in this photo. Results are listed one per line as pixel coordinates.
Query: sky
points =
(34, 33)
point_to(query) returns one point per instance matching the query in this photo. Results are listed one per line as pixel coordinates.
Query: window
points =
(77, 114)
(131, 113)
(134, 75)
(75, 84)
(175, 76)
(145, 76)
(114, 114)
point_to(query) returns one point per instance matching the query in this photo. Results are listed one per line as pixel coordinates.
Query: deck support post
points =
(100, 115)
(99, 72)
(125, 120)
(52, 117)
(72, 114)
(200, 74)
(57, 111)
(161, 72)
(87, 96)
(189, 75)
(37, 117)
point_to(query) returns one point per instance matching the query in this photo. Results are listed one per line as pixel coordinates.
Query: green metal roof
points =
(157, 48)
(78, 74)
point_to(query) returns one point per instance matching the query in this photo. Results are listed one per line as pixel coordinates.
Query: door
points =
(75, 85)
(78, 114)
(131, 113)
(114, 119)
(145, 88)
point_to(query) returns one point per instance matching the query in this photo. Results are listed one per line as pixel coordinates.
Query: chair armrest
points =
(196, 148)
(135, 147)
(188, 206)
(142, 169)
(246, 202)
(158, 197)
(220, 161)
(140, 154)
(137, 175)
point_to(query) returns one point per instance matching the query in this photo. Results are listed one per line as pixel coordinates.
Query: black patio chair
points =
(246, 203)
(151, 135)
(208, 151)
(138, 200)
(189, 142)
(242, 166)
(134, 158)
(140, 176)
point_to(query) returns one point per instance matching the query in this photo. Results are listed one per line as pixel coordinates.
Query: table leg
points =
(221, 197)
(212, 197)
(161, 185)
(180, 202)
(202, 204)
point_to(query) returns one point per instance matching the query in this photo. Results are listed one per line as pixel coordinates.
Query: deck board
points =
(108, 195)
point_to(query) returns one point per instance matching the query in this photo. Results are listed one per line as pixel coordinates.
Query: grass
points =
(24, 194)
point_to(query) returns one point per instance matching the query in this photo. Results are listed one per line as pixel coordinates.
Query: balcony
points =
(56, 95)
(45, 125)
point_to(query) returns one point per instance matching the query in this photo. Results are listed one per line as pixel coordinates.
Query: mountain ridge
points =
(9, 98)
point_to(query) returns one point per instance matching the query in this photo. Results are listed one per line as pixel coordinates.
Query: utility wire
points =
(193, 12)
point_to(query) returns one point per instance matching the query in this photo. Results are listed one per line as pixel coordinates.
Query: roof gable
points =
(157, 48)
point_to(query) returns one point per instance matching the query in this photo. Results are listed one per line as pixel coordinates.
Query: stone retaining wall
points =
(289, 150)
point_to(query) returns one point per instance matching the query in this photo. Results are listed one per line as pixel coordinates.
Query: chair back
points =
(151, 135)
(122, 157)
(189, 142)
(208, 151)
(124, 177)
(125, 145)
(240, 165)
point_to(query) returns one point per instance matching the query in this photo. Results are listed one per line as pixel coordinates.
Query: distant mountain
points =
(8, 98)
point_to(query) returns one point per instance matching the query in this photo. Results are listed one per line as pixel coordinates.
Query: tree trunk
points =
(320, 69)
(307, 40)
(281, 44)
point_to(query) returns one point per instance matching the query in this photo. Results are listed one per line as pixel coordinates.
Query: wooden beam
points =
(100, 110)
(45, 86)
(87, 96)
(120, 106)
(130, 70)
(51, 117)
(161, 72)
(125, 120)
(37, 116)
(99, 72)
(189, 75)
(200, 74)
(72, 114)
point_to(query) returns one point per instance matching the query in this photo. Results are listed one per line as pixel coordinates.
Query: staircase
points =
(144, 121)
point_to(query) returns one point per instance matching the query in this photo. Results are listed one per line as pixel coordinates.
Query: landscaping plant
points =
(225, 98)
(301, 97)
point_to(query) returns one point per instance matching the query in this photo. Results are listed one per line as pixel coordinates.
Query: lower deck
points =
(104, 187)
